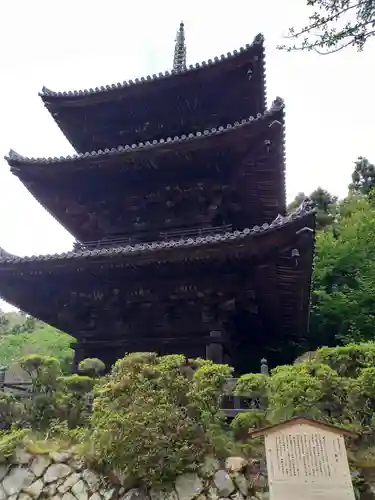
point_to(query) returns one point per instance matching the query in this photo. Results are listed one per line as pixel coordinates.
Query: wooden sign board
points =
(307, 459)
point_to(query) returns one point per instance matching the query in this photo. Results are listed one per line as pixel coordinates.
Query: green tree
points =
(73, 399)
(324, 202)
(44, 372)
(334, 25)
(363, 177)
(343, 298)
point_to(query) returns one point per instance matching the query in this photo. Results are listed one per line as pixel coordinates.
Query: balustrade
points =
(115, 242)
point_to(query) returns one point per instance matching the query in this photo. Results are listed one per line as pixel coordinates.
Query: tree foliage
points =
(44, 372)
(325, 205)
(17, 322)
(337, 386)
(152, 417)
(334, 25)
(343, 298)
(156, 416)
(11, 411)
(363, 177)
(92, 367)
(52, 397)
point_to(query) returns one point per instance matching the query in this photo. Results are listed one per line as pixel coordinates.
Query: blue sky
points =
(70, 45)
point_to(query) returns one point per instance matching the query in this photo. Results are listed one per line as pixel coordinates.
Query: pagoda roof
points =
(203, 95)
(202, 139)
(111, 91)
(161, 251)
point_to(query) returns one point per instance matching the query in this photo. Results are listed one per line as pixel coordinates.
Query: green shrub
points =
(156, 416)
(254, 385)
(67, 437)
(11, 411)
(348, 360)
(247, 421)
(337, 385)
(44, 372)
(73, 399)
(9, 442)
(92, 367)
(310, 388)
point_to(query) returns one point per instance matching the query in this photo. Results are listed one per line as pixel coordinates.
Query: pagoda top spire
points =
(179, 59)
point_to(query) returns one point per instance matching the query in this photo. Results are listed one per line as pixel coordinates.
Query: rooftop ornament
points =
(179, 59)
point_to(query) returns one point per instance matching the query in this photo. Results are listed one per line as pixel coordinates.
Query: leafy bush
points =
(247, 421)
(310, 388)
(157, 416)
(255, 385)
(92, 367)
(44, 372)
(11, 410)
(67, 437)
(73, 399)
(337, 385)
(348, 360)
(9, 442)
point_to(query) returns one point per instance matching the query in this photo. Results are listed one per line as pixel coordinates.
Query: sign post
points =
(307, 459)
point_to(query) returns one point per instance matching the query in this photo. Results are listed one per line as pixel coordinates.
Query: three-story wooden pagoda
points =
(176, 198)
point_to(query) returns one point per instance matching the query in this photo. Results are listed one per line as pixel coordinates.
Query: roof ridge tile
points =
(302, 211)
(276, 106)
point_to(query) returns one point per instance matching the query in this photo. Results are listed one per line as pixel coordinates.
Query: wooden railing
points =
(194, 233)
(17, 389)
(233, 404)
(174, 234)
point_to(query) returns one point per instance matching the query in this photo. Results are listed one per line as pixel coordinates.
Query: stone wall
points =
(61, 476)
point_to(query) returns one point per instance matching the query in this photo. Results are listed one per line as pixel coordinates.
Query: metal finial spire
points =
(179, 60)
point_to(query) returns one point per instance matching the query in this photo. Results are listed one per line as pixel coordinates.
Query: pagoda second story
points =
(230, 176)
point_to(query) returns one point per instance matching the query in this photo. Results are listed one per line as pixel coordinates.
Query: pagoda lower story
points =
(234, 297)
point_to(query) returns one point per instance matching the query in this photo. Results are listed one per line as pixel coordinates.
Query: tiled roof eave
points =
(144, 248)
(47, 94)
(15, 159)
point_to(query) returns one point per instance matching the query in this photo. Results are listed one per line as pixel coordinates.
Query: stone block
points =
(56, 472)
(188, 486)
(223, 483)
(17, 479)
